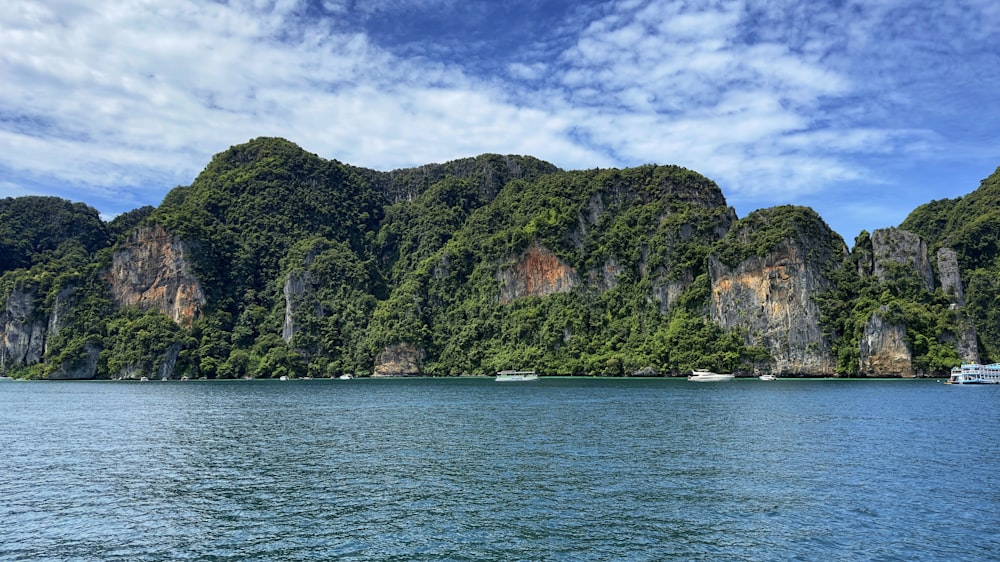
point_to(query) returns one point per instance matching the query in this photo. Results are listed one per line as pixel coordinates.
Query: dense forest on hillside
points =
(971, 226)
(275, 262)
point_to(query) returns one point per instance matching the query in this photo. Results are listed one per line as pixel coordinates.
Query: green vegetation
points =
(32, 229)
(656, 224)
(971, 226)
(311, 268)
(931, 324)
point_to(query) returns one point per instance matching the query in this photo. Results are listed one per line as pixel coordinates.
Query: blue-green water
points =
(470, 469)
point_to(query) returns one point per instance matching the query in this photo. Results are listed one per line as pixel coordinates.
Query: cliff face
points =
(770, 297)
(399, 360)
(950, 275)
(884, 349)
(82, 369)
(344, 263)
(895, 247)
(151, 271)
(26, 333)
(950, 279)
(537, 272)
(900, 261)
(770, 291)
(298, 283)
(23, 329)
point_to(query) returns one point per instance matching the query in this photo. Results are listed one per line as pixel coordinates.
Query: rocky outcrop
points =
(884, 350)
(151, 271)
(23, 328)
(399, 360)
(666, 291)
(298, 286)
(25, 334)
(771, 299)
(59, 316)
(84, 367)
(950, 276)
(605, 278)
(537, 272)
(765, 286)
(965, 337)
(892, 247)
(166, 368)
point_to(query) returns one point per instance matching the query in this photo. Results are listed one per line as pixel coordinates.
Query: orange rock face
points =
(771, 298)
(151, 271)
(538, 272)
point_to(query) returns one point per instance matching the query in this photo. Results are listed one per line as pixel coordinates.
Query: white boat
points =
(516, 376)
(701, 375)
(974, 373)
(345, 377)
(768, 377)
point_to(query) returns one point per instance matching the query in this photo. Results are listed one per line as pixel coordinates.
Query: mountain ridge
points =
(284, 263)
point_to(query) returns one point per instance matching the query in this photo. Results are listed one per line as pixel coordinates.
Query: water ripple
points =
(471, 470)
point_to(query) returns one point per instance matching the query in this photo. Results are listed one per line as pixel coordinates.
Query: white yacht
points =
(702, 375)
(767, 377)
(516, 376)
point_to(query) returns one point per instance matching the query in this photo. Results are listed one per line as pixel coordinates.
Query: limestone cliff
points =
(297, 285)
(899, 259)
(537, 271)
(770, 297)
(84, 367)
(666, 291)
(895, 248)
(84, 364)
(151, 271)
(23, 329)
(26, 333)
(61, 310)
(950, 276)
(884, 348)
(965, 336)
(399, 360)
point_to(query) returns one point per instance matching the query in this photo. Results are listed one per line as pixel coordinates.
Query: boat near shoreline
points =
(974, 373)
(516, 376)
(702, 375)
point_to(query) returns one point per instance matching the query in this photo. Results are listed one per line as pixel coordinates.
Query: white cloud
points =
(125, 93)
(777, 97)
(521, 71)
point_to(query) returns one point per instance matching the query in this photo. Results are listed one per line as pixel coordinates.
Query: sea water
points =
(470, 469)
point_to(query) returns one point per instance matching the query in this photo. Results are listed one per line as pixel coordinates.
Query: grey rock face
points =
(905, 249)
(23, 329)
(884, 349)
(951, 278)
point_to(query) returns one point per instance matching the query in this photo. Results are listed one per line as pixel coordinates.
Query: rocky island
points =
(276, 262)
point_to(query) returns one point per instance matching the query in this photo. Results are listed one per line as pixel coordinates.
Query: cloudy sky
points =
(861, 109)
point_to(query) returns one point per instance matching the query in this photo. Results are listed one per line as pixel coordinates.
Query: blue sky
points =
(862, 110)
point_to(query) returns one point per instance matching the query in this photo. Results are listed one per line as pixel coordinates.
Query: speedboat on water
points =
(702, 375)
(768, 377)
(974, 373)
